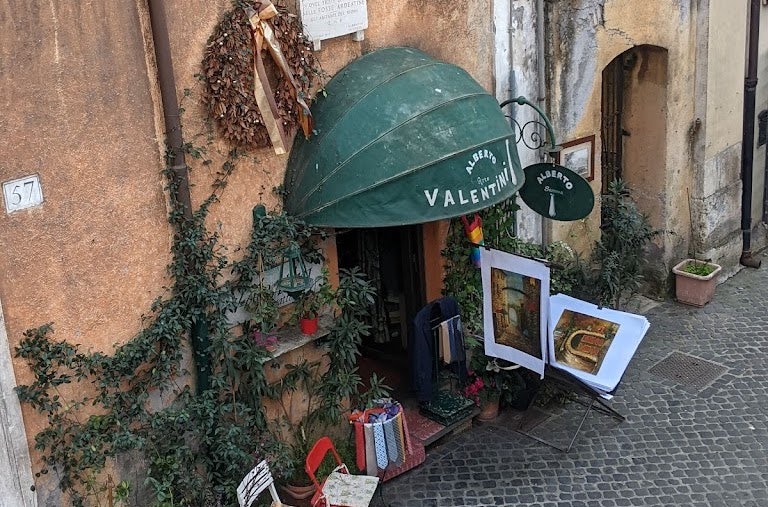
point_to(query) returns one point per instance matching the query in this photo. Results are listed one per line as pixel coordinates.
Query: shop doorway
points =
(634, 127)
(392, 258)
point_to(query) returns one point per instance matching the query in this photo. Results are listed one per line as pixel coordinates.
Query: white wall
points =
(515, 69)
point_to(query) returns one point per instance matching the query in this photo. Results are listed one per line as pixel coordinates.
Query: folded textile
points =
(445, 343)
(381, 445)
(359, 446)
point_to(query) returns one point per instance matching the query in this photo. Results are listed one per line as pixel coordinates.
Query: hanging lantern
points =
(297, 279)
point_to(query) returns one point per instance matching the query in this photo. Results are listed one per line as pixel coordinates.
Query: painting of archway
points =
(515, 308)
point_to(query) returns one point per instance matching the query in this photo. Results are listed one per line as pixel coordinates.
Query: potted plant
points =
(264, 312)
(484, 395)
(695, 281)
(493, 382)
(311, 302)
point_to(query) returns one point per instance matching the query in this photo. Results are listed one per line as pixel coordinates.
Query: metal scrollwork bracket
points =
(529, 132)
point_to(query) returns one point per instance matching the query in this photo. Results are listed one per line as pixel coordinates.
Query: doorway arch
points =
(634, 127)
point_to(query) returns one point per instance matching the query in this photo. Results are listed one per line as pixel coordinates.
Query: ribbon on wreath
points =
(474, 233)
(265, 99)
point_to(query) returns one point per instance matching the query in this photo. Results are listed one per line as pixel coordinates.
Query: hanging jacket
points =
(421, 345)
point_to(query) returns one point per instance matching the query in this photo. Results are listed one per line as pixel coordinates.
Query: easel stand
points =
(586, 396)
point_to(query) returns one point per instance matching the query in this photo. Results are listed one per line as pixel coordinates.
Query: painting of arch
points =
(581, 341)
(594, 344)
(515, 308)
(516, 302)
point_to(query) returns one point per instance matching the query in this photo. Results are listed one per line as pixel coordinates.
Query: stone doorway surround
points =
(16, 481)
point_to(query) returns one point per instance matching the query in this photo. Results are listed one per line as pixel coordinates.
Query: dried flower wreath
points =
(229, 69)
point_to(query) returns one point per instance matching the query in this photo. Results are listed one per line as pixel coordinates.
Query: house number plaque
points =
(22, 193)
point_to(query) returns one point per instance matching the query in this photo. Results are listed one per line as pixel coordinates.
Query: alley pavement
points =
(695, 397)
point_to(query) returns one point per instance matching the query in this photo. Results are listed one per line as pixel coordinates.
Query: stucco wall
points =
(78, 112)
(516, 70)
(82, 110)
(717, 203)
(759, 155)
(644, 119)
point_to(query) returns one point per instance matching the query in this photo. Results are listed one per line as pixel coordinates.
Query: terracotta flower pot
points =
(695, 290)
(298, 492)
(489, 410)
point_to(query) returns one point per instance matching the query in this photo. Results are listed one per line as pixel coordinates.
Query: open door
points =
(392, 258)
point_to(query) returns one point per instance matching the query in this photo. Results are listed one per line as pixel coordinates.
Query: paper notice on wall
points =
(325, 19)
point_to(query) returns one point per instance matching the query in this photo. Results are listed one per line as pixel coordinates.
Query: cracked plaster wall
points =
(705, 45)
(515, 72)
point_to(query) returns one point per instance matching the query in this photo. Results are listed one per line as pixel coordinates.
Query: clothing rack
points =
(424, 346)
(435, 326)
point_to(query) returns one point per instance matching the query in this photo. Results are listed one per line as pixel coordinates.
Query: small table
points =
(349, 490)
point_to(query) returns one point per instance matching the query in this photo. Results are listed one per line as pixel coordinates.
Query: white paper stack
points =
(582, 350)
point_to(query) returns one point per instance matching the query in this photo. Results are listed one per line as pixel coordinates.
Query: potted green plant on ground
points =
(695, 281)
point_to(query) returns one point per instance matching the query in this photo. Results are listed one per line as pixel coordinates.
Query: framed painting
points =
(515, 308)
(579, 157)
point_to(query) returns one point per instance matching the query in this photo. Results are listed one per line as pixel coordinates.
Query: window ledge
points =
(291, 338)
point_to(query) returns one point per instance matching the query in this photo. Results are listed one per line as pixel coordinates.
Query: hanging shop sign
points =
(556, 192)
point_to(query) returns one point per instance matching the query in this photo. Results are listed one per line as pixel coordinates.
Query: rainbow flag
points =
(474, 232)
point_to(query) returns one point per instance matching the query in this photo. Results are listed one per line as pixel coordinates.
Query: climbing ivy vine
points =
(195, 446)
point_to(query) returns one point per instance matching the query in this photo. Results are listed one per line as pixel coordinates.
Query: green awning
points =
(401, 138)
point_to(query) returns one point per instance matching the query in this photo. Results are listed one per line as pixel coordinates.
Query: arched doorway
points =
(634, 127)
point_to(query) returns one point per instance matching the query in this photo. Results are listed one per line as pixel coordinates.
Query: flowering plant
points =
(478, 391)
(491, 378)
(265, 340)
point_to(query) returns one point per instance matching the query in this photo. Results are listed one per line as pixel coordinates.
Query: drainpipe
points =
(175, 143)
(542, 91)
(748, 140)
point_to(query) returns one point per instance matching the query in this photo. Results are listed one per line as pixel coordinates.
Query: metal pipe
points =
(546, 235)
(176, 160)
(748, 139)
(167, 85)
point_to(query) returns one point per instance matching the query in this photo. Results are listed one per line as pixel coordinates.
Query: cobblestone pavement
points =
(679, 445)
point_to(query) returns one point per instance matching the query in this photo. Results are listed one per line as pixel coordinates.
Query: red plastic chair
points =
(363, 485)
